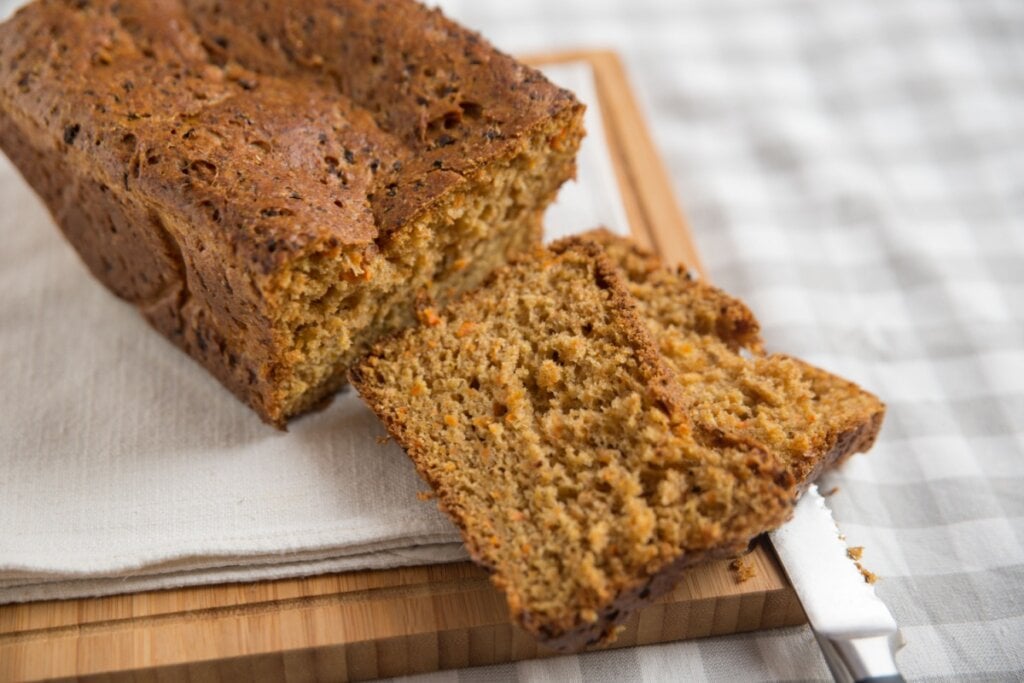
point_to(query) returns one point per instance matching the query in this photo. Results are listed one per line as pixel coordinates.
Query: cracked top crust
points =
(282, 130)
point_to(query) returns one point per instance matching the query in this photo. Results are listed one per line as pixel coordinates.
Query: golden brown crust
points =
(192, 151)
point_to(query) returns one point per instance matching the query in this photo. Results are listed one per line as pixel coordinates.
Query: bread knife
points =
(857, 634)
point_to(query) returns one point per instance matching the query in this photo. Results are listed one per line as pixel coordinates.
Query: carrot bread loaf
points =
(809, 418)
(554, 435)
(273, 183)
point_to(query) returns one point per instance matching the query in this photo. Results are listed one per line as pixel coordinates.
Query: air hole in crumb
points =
(499, 409)
(352, 301)
(70, 133)
(202, 169)
(474, 383)
(451, 120)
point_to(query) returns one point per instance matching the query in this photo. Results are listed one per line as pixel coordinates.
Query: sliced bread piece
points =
(552, 431)
(810, 418)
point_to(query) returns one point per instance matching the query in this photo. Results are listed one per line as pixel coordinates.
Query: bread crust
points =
(193, 151)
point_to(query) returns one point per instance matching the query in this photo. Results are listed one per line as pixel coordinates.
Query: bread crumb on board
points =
(743, 569)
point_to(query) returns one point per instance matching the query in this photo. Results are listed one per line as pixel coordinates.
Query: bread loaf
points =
(274, 184)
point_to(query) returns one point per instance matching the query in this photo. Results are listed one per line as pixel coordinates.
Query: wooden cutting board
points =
(361, 625)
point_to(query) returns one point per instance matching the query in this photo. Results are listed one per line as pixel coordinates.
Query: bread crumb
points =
(869, 576)
(425, 495)
(549, 375)
(831, 492)
(744, 569)
(856, 553)
(383, 439)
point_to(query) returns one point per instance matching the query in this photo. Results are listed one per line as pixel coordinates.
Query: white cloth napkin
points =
(124, 466)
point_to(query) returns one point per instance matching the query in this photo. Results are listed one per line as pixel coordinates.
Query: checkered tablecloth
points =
(855, 170)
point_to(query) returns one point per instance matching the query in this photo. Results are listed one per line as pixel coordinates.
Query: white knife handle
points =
(863, 660)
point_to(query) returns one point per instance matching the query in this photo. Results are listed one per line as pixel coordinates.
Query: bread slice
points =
(273, 184)
(553, 433)
(808, 417)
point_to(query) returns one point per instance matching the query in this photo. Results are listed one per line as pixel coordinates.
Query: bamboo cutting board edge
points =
(361, 625)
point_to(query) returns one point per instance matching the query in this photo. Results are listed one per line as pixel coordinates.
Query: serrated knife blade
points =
(857, 633)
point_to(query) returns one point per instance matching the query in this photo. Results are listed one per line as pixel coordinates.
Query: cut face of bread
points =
(539, 410)
(810, 418)
(273, 184)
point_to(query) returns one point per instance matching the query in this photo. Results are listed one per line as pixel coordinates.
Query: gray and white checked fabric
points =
(855, 170)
